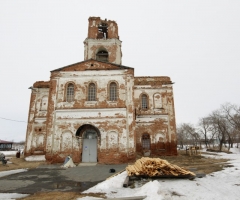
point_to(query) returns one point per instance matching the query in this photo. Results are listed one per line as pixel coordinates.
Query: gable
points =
(92, 65)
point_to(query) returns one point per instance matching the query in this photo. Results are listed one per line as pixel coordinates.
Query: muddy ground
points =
(198, 163)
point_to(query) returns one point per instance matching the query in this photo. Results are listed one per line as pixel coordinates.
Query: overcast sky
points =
(196, 43)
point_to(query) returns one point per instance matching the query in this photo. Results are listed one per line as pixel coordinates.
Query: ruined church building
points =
(97, 111)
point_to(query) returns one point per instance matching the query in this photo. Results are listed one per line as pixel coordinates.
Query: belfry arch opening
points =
(102, 31)
(102, 55)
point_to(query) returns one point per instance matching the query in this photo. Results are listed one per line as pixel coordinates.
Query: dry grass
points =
(19, 163)
(60, 196)
(198, 162)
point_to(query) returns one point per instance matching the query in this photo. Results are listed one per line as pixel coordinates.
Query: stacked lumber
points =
(155, 167)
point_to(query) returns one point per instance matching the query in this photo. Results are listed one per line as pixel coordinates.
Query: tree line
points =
(220, 127)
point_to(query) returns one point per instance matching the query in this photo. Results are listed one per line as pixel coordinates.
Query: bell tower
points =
(103, 42)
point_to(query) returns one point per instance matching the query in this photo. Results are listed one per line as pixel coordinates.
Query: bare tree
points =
(221, 127)
(187, 135)
(231, 113)
(206, 129)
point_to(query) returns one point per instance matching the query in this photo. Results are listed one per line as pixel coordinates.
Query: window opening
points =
(102, 55)
(92, 92)
(70, 92)
(144, 102)
(113, 92)
(102, 31)
(146, 141)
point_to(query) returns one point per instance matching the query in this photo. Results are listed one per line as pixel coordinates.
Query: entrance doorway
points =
(89, 135)
(89, 149)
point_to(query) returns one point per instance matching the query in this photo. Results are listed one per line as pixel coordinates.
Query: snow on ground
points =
(36, 158)
(220, 185)
(8, 196)
(9, 153)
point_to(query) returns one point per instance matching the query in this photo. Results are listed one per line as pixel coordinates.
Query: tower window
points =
(92, 92)
(70, 92)
(102, 55)
(113, 92)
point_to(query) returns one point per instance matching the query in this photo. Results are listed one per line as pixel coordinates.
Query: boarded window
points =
(44, 103)
(113, 91)
(92, 92)
(70, 93)
(112, 140)
(146, 141)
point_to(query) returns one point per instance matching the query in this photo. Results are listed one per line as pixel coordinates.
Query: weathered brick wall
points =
(36, 129)
(158, 119)
(93, 24)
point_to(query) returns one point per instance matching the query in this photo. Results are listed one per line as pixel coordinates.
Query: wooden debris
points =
(126, 182)
(155, 167)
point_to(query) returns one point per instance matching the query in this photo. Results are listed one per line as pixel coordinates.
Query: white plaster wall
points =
(41, 95)
(82, 78)
(90, 114)
(36, 117)
(112, 138)
(66, 141)
(151, 118)
(70, 124)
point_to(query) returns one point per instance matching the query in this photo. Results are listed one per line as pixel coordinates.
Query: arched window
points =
(70, 92)
(146, 141)
(113, 92)
(144, 102)
(102, 55)
(91, 92)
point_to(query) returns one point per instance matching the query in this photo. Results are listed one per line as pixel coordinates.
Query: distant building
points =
(97, 110)
(5, 145)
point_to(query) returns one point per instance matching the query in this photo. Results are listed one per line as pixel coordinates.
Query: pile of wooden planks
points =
(155, 167)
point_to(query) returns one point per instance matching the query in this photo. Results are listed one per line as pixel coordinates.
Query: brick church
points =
(97, 111)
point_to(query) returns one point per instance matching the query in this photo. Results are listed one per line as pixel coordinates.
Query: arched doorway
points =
(90, 136)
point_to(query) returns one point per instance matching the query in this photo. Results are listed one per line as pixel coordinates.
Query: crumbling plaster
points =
(113, 47)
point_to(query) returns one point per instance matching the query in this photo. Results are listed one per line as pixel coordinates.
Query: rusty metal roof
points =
(5, 142)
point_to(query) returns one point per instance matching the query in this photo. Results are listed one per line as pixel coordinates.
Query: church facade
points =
(97, 110)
